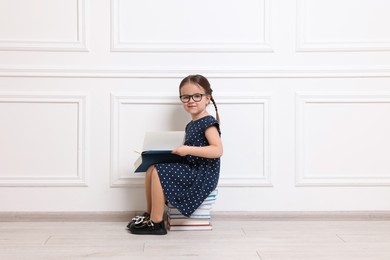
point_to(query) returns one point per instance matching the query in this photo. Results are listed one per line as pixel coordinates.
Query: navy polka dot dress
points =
(186, 185)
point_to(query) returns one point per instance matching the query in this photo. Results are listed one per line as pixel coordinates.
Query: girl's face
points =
(197, 108)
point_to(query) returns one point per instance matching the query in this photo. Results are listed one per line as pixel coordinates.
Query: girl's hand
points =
(182, 150)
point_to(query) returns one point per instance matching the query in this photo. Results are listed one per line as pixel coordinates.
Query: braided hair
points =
(205, 84)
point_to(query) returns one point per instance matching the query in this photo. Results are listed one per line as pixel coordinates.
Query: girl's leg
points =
(156, 202)
(142, 219)
(148, 189)
(158, 198)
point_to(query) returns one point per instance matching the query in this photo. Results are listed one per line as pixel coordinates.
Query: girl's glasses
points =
(196, 97)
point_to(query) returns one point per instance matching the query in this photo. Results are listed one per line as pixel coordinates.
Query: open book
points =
(158, 148)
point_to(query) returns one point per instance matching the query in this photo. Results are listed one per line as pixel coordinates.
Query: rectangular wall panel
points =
(44, 25)
(343, 139)
(190, 25)
(246, 156)
(346, 25)
(245, 124)
(42, 140)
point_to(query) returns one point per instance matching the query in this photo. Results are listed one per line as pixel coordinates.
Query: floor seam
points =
(47, 240)
(341, 238)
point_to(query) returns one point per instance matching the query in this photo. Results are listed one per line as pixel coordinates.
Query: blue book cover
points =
(148, 158)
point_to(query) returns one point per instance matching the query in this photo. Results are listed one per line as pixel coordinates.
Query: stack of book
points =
(199, 220)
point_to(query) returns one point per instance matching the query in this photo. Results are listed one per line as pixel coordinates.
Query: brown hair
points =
(204, 83)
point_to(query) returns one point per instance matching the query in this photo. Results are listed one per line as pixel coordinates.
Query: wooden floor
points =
(230, 239)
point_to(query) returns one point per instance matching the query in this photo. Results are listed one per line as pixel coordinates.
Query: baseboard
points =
(303, 215)
(110, 216)
(124, 216)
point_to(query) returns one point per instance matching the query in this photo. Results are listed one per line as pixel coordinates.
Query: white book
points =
(163, 140)
(192, 216)
(196, 212)
(189, 228)
(205, 206)
(188, 221)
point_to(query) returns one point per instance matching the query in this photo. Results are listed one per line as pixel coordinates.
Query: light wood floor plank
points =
(230, 239)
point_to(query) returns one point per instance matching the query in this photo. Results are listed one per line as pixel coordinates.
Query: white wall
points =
(303, 89)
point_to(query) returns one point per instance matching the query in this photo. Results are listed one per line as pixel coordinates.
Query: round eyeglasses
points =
(196, 97)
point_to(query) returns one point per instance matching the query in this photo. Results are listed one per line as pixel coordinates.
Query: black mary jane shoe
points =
(149, 228)
(139, 220)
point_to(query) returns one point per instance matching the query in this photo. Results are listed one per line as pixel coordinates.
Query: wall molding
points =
(305, 45)
(220, 72)
(119, 46)
(137, 180)
(80, 45)
(81, 99)
(302, 176)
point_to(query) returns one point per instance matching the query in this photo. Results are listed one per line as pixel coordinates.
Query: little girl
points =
(185, 185)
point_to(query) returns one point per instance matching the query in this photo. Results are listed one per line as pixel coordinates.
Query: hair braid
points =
(216, 108)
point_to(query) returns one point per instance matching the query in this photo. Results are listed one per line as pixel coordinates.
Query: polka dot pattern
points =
(186, 185)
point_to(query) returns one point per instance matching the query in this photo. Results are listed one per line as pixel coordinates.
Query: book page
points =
(164, 140)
